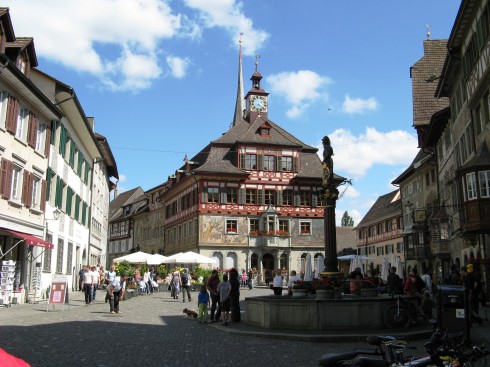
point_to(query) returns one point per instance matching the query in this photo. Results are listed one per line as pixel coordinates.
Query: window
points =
(40, 138)
(304, 228)
(265, 131)
(16, 193)
(270, 224)
(471, 185)
(270, 197)
(388, 226)
(47, 255)
(250, 161)
(269, 163)
(69, 258)
(59, 256)
(379, 251)
(251, 196)
(231, 226)
(254, 226)
(3, 108)
(433, 175)
(287, 197)
(213, 195)
(22, 120)
(304, 198)
(484, 177)
(399, 222)
(231, 195)
(286, 164)
(36, 192)
(399, 247)
(388, 249)
(283, 227)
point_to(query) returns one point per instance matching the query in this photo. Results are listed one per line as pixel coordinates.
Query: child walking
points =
(224, 289)
(203, 303)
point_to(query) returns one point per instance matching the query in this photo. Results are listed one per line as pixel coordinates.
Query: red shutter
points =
(42, 203)
(30, 129)
(7, 183)
(3, 175)
(11, 121)
(47, 140)
(25, 188)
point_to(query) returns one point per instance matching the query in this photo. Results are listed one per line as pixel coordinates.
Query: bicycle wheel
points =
(396, 317)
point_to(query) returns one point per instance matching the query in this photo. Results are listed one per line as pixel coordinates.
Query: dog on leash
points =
(189, 314)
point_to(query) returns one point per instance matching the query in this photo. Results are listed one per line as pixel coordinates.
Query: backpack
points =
(185, 279)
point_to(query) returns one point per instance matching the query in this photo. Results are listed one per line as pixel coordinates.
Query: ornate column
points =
(330, 196)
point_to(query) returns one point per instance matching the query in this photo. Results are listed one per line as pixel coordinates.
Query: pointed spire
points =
(239, 106)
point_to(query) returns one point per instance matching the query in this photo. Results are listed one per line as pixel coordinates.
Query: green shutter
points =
(49, 175)
(53, 132)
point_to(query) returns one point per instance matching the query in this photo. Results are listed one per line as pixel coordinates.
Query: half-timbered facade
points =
(252, 197)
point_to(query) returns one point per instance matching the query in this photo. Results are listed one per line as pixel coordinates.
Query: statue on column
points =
(329, 188)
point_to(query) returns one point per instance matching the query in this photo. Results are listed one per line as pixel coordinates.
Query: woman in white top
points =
(277, 283)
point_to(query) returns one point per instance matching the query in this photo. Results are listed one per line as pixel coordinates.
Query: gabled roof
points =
(421, 155)
(20, 44)
(123, 199)
(387, 206)
(109, 160)
(7, 24)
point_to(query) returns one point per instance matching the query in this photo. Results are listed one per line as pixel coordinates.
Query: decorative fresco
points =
(213, 230)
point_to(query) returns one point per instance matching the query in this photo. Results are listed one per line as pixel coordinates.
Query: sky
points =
(160, 77)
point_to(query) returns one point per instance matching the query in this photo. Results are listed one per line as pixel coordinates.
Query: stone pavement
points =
(151, 330)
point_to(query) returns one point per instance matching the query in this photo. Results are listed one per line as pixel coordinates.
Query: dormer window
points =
(264, 131)
(22, 65)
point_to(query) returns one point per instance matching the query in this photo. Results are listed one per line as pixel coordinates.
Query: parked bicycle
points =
(403, 313)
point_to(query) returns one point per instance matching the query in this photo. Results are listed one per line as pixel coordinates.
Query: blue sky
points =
(160, 77)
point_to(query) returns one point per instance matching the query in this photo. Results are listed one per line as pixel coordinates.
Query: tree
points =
(347, 220)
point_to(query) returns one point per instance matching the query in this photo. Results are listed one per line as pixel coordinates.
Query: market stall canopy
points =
(189, 257)
(155, 259)
(308, 271)
(139, 257)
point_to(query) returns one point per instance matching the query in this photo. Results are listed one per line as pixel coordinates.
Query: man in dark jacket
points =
(393, 283)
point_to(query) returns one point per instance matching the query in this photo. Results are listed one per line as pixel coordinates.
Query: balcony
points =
(417, 252)
(440, 248)
(477, 215)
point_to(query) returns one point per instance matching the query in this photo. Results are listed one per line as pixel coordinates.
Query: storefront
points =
(20, 257)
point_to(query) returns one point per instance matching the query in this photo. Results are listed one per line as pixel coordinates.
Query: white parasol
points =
(385, 269)
(320, 266)
(134, 258)
(308, 271)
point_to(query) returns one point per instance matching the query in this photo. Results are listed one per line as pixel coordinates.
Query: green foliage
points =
(162, 270)
(125, 268)
(201, 272)
(347, 220)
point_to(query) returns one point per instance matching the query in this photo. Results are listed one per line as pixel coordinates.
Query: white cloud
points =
(178, 66)
(122, 178)
(110, 39)
(300, 89)
(356, 155)
(359, 105)
(228, 14)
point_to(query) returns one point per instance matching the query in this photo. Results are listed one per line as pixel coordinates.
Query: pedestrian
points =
(146, 279)
(428, 296)
(116, 291)
(292, 278)
(471, 286)
(355, 283)
(176, 284)
(137, 275)
(454, 278)
(250, 279)
(203, 303)
(88, 282)
(268, 277)
(212, 286)
(243, 279)
(393, 282)
(224, 289)
(277, 283)
(111, 273)
(96, 281)
(80, 279)
(186, 285)
(235, 296)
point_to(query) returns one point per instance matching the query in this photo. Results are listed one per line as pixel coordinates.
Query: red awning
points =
(29, 239)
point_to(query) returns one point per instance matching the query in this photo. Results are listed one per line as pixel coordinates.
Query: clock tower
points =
(256, 99)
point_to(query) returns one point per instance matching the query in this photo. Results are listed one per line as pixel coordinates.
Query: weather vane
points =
(429, 27)
(240, 40)
(257, 57)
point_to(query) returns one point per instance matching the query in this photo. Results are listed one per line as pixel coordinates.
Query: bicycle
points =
(402, 313)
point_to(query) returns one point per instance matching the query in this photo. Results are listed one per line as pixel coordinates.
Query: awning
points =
(29, 239)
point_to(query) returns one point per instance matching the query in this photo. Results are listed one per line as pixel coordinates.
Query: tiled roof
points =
(346, 237)
(217, 160)
(121, 200)
(425, 74)
(387, 206)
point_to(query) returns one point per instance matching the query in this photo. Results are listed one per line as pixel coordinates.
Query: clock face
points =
(259, 103)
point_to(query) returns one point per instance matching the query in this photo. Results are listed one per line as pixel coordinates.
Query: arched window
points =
(254, 261)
